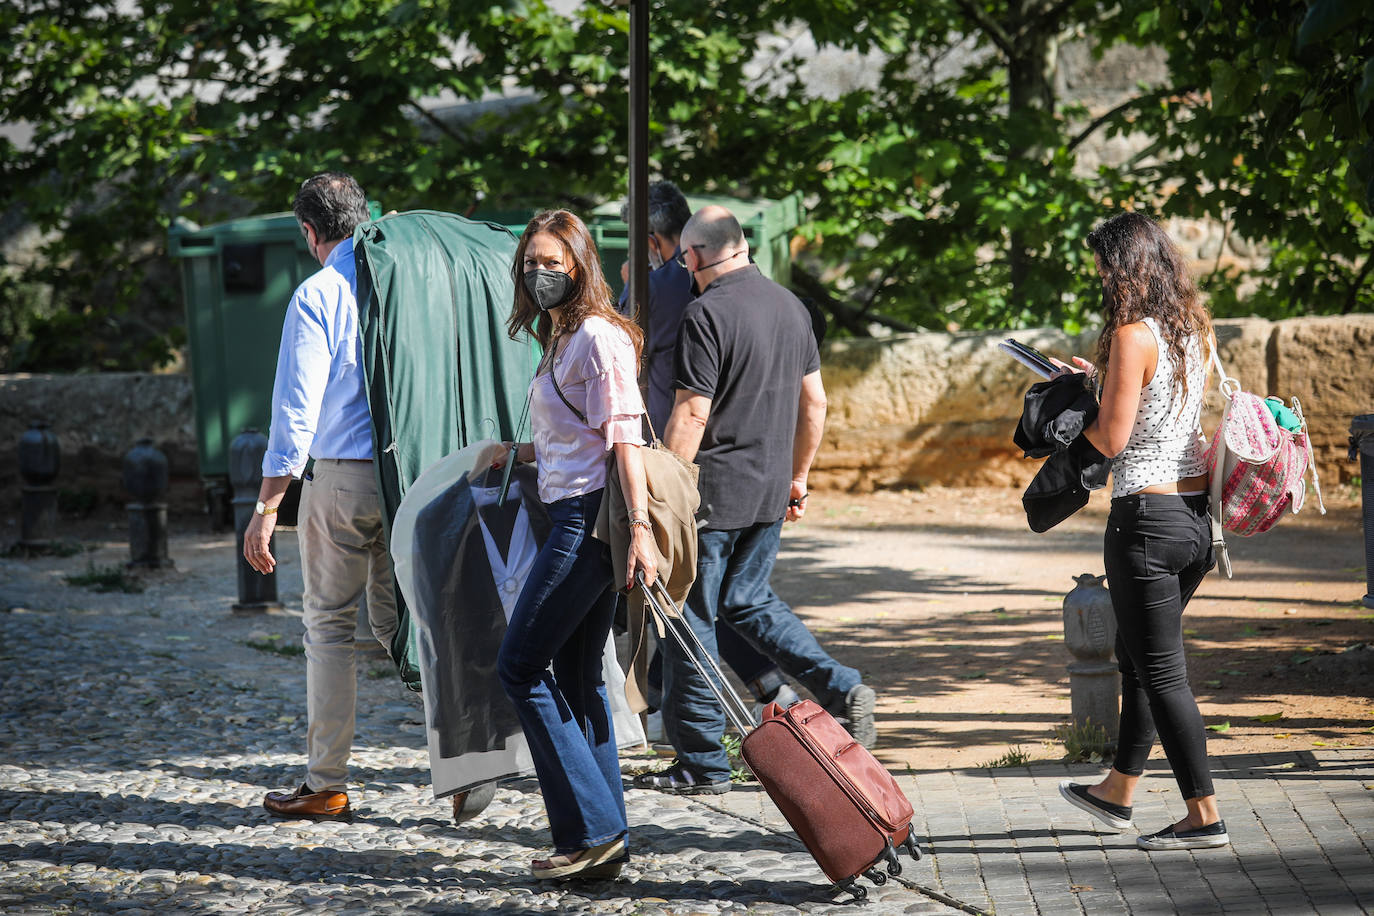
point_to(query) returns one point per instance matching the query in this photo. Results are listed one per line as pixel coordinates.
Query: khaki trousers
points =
(343, 554)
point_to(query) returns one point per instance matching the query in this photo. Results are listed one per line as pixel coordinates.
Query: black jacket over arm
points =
(1052, 422)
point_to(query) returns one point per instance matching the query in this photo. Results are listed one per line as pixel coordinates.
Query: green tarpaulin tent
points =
(434, 293)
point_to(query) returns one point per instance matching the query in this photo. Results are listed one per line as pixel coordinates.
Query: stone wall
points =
(935, 408)
(912, 410)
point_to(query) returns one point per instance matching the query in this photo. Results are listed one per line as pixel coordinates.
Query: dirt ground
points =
(952, 609)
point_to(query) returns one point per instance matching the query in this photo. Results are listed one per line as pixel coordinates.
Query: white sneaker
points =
(784, 697)
(1210, 837)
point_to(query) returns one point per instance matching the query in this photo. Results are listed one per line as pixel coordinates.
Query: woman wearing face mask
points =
(584, 402)
(1153, 349)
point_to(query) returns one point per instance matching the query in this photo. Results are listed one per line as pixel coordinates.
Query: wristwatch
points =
(263, 509)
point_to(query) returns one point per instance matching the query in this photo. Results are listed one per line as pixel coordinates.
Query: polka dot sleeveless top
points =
(1165, 443)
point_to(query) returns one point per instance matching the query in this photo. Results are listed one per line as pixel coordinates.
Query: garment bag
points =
(461, 561)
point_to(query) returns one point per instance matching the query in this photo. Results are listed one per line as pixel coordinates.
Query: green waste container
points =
(767, 226)
(237, 278)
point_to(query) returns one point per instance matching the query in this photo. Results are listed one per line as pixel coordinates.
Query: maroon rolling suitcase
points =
(843, 804)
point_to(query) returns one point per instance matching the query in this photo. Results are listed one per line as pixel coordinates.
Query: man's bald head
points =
(713, 231)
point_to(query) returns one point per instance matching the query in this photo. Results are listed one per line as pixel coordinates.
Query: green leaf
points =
(1327, 17)
(1269, 717)
(1223, 727)
(1364, 95)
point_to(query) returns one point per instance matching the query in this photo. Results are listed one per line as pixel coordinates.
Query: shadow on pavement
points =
(392, 868)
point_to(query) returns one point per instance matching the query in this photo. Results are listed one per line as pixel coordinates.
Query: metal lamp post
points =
(1362, 444)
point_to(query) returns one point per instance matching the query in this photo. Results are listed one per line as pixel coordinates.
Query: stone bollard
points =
(146, 477)
(257, 592)
(1090, 636)
(1362, 444)
(40, 459)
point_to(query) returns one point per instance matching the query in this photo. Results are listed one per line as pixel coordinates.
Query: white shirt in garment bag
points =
(509, 572)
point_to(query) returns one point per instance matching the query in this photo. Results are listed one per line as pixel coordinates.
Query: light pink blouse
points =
(596, 370)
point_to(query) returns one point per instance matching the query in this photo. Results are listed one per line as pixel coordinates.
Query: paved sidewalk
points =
(1301, 825)
(139, 731)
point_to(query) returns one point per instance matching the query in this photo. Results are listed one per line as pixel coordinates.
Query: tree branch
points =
(437, 124)
(847, 316)
(1124, 106)
(1221, 249)
(990, 26)
(1353, 296)
(1051, 13)
(877, 288)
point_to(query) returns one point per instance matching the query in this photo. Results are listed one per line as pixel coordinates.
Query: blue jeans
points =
(755, 669)
(733, 572)
(561, 621)
(1157, 548)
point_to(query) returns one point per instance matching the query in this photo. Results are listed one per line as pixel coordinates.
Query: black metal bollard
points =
(1362, 443)
(145, 477)
(257, 592)
(40, 459)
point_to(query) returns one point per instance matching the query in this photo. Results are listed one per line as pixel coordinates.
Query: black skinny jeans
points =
(1157, 549)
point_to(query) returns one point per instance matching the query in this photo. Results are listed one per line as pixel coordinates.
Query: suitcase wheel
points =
(855, 888)
(894, 867)
(876, 876)
(910, 844)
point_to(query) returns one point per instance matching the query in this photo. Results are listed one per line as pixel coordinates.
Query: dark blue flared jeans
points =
(550, 667)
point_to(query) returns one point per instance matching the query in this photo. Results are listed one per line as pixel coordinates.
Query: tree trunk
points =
(1031, 66)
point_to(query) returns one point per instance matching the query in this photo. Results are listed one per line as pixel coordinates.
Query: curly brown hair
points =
(1144, 276)
(590, 293)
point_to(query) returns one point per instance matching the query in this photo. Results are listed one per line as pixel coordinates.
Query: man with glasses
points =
(670, 292)
(749, 409)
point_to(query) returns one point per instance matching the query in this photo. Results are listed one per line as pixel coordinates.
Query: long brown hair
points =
(590, 295)
(1144, 276)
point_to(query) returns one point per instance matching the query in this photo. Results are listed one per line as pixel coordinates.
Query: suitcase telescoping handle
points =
(691, 646)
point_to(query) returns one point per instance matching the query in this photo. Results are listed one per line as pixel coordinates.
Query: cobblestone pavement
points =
(138, 733)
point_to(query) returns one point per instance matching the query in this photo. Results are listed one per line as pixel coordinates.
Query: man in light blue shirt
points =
(319, 410)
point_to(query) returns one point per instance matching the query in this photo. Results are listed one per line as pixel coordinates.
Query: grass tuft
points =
(275, 646)
(106, 579)
(738, 771)
(1087, 742)
(1016, 756)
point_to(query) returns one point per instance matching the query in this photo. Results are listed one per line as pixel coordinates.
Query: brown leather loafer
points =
(313, 806)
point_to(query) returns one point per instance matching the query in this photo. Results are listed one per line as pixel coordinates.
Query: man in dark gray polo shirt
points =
(749, 409)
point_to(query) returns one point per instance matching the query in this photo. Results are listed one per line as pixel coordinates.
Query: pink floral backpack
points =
(1259, 464)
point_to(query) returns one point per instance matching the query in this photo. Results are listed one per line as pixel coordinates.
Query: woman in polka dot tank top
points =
(1152, 358)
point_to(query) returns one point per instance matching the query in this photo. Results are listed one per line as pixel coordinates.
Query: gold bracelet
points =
(641, 523)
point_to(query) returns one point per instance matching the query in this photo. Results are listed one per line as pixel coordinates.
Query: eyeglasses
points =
(682, 258)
